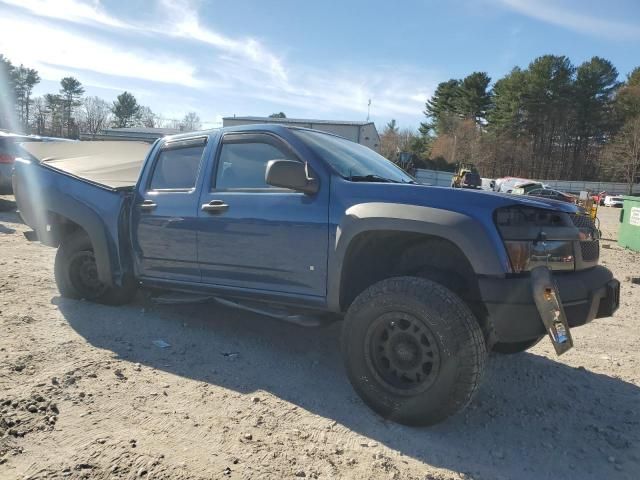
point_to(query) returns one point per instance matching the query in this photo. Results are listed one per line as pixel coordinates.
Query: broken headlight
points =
(535, 237)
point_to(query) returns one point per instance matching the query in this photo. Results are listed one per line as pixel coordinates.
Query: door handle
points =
(148, 205)
(215, 206)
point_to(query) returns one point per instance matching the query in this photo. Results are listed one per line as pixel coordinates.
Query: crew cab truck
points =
(426, 280)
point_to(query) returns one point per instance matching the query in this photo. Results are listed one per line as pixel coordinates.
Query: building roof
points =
(145, 134)
(143, 130)
(298, 120)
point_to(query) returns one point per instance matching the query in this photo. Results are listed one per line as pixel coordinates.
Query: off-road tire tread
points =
(457, 318)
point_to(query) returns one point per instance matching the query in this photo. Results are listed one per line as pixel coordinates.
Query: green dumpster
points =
(629, 234)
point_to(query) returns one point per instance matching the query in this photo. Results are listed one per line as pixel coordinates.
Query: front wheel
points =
(413, 350)
(76, 274)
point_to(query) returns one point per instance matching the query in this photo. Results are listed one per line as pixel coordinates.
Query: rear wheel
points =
(515, 347)
(76, 274)
(413, 350)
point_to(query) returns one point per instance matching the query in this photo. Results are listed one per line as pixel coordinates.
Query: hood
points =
(458, 200)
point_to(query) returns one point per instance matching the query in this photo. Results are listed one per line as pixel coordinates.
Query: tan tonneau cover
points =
(109, 163)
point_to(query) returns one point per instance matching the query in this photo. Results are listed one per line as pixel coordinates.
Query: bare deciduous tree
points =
(146, 118)
(191, 122)
(623, 153)
(95, 115)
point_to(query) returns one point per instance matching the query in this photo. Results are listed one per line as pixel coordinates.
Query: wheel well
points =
(61, 228)
(375, 256)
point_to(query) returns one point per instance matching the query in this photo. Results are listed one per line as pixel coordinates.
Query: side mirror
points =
(291, 174)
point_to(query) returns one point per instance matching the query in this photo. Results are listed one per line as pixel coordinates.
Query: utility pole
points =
(453, 156)
(368, 109)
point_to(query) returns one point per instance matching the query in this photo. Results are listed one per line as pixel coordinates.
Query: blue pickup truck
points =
(306, 225)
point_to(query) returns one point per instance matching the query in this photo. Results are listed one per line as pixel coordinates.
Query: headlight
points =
(526, 255)
(535, 237)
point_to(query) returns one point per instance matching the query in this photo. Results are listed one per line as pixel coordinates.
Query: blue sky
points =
(310, 59)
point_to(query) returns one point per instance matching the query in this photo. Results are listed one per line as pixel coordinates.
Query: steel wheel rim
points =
(402, 353)
(83, 273)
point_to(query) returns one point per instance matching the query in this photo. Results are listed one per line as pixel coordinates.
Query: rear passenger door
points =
(253, 235)
(165, 212)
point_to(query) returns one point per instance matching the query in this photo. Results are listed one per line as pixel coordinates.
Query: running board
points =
(302, 320)
(179, 298)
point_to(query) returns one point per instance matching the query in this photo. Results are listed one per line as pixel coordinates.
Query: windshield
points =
(352, 160)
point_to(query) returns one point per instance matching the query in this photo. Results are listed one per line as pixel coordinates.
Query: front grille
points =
(583, 221)
(590, 247)
(590, 250)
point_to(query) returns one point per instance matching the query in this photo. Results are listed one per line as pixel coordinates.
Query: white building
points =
(364, 133)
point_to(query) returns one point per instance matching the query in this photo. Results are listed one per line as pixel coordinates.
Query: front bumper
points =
(585, 295)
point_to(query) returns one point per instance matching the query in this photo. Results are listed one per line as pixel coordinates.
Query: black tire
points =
(76, 274)
(435, 340)
(515, 347)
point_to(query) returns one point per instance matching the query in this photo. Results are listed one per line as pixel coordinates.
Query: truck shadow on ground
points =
(7, 205)
(8, 214)
(6, 230)
(533, 418)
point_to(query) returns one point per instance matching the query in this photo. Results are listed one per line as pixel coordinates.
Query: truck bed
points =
(111, 164)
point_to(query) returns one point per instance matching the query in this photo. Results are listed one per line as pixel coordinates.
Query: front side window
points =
(243, 165)
(177, 168)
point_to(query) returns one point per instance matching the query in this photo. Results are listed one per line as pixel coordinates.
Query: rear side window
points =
(243, 165)
(177, 168)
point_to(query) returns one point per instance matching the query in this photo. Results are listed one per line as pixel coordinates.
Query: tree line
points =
(551, 120)
(68, 112)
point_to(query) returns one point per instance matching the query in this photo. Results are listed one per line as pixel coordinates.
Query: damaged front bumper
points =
(582, 296)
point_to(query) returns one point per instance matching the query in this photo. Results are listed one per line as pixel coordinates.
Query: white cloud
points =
(71, 10)
(575, 20)
(53, 50)
(182, 20)
(242, 67)
(252, 69)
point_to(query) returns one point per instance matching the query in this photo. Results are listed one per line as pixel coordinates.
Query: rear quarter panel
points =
(45, 197)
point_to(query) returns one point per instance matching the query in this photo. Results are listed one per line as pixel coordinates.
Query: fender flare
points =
(475, 241)
(43, 195)
(105, 249)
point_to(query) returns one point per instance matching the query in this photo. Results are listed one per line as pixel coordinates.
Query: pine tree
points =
(71, 91)
(125, 110)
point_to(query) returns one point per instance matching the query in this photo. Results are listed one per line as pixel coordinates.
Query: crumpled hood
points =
(459, 200)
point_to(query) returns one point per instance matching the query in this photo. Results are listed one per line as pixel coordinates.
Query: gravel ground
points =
(85, 393)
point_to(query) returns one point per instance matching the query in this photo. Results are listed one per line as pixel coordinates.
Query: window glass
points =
(177, 168)
(351, 159)
(243, 165)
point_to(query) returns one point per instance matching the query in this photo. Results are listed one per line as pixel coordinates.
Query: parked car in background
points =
(9, 150)
(552, 194)
(525, 188)
(507, 184)
(613, 201)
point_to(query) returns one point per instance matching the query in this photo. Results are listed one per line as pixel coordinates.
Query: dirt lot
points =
(85, 393)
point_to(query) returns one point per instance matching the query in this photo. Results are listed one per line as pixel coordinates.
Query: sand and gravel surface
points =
(86, 393)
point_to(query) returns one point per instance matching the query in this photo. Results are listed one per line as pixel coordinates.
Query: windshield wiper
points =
(370, 178)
